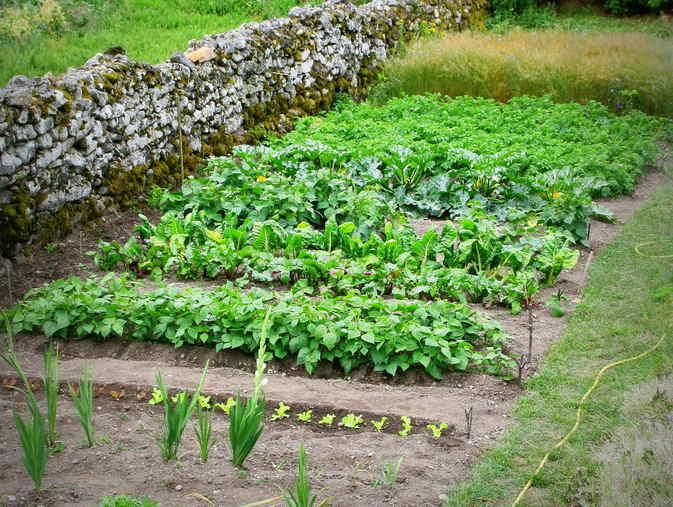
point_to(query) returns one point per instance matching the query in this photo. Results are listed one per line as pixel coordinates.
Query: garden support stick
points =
(521, 363)
(469, 412)
(530, 333)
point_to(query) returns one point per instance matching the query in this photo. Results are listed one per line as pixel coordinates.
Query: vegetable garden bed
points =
(320, 230)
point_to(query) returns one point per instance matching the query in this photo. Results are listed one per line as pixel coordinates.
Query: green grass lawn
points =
(149, 30)
(626, 308)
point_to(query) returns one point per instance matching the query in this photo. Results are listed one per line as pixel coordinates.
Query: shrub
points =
(637, 6)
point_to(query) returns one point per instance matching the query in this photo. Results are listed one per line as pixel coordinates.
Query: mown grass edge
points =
(619, 316)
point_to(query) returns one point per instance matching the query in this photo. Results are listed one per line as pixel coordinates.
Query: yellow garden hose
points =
(578, 416)
(647, 243)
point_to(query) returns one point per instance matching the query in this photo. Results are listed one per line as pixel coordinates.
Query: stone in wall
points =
(102, 134)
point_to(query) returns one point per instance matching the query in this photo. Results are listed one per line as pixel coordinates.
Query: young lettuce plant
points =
(380, 424)
(436, 429)
(246, 419)
(305, 416)
(351, 421)
(177, 412)
(327, 420)
(406, 426)
(226, 406)
(281, 412)
(82, 398)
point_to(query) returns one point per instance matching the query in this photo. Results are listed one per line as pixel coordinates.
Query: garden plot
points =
(322, 231)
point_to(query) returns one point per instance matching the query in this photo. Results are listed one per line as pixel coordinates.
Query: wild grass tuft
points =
(127, 501)
(637, 462)
(177, 412)
(246, 417)
(82, 398)
(621, 70)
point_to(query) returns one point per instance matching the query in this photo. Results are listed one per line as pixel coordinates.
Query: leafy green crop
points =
(282, 411)
(351, 421)
(352, 331)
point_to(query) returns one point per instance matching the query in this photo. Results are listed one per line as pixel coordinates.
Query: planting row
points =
(334, 214)
(40, 438)
(250, 221)
(351, 331)
(283, 412)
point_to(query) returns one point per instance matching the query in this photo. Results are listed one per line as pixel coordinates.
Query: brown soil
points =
(345, 464)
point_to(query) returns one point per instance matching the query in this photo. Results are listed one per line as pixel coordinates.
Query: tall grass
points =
(570, 66)
(149, 30)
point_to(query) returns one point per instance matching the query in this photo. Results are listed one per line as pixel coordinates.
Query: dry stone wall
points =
(72, 146)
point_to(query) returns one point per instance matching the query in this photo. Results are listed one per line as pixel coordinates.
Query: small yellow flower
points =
(556, 195)
(262, 179)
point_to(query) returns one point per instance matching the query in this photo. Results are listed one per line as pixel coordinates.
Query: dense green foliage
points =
(516, 180)
(240, 225)
(528, 137)
(635, 6)
(323, 213)
(351, 331)
(626, 308)
(503, 8)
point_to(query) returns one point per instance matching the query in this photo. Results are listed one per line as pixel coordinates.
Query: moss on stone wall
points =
(20, 220)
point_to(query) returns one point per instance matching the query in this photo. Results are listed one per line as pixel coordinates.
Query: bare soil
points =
(345, 464)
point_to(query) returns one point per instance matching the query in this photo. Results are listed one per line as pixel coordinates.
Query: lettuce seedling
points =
(327, 420)
(281, 412)
(437, 429)
(380, 424)
(305, 416)
(406, 426)
(351, 421)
